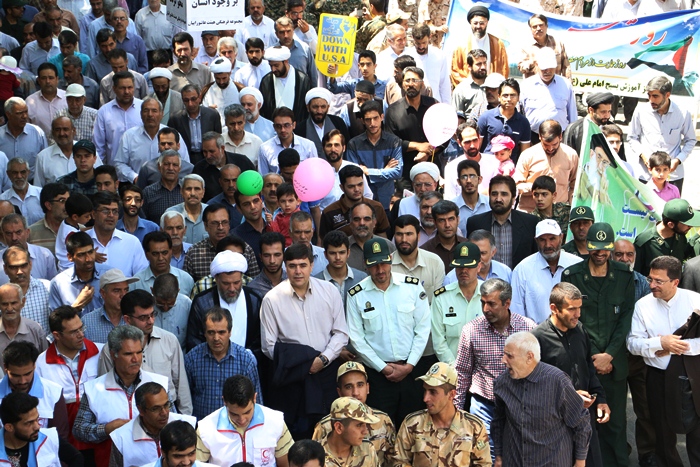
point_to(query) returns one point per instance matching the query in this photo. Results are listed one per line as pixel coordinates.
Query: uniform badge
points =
(451, 313)
(464, 251)
(368, 307)
(580, 210)
(422, 296)
(600, 236)
(660, 241)
(376, 247)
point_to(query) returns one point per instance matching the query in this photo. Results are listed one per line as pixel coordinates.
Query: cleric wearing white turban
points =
(411, 205)
(228, 268)
(319, 93)
(278, 53)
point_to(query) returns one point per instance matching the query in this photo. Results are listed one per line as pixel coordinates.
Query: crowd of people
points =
(154, 315)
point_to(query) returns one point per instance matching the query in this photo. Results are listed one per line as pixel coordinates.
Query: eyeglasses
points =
(279, 126)
(60, 200)
(75, 332)
(161, 408)
(412, 81)
(145, 318)
(107, 212)
(651, 281)
(218, 223)
(466, 177)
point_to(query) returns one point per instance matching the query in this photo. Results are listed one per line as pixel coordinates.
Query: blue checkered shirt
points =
(97, 325)
(36, 307)
(641, 286)
(207, 376)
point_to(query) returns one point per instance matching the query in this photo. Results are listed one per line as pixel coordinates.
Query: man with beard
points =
(469, 93)
(412, 261)
(13, 227)
(132, 201)
(170, 99)
(319, 123)
(428, 230)
(200, 255)
(336, 246)
(285, 81)
(514, 231)
(396, 39)
(284, 120)
(424, 177)
(404, 118)
(363, 222)
(445, 215)
(228, 180)
(153, 405)
(599, 112)
(668, 238)
(237, 140)
(607, 316)
(19, 138)
(378, 153)
(215, 157)
(251, 73)
(432, 61)
(222, 92)
(538, 26)
(470, 202)
(252, 101)
(258, 26)
(185, 71)
(22, 195)
(471, 142)
(548, 157)
(302, 52)
(535, 276)
(158, 247)
(497, 58)
(272, 273)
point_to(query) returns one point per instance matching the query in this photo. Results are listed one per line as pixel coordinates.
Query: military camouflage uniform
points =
(560, 213)
(420, 444)
(360, 456)
(382, 435)
(367, 31)
(276, 9)
(333, 7)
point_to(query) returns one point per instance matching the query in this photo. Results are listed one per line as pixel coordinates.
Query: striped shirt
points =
(503, 233)
(36, 307)
(479, 355)
(539, 419)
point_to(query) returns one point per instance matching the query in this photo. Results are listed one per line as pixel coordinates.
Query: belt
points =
(400, 362)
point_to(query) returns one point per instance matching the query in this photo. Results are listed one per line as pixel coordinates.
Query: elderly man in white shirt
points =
(252, 101)
(223, 91)
(396, 38)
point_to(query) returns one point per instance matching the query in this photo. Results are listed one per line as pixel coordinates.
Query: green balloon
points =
(250, 183)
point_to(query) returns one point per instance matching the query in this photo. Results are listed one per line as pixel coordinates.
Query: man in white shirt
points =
(236, 139)
(302, 30)
(222, 92)
(22, 194)
(396, 38)
(656, 318)
(257, 25)
(252, 101)
(252, 72)
(432, 61)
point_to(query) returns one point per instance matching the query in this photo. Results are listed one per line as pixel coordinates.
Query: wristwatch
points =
(324, 360)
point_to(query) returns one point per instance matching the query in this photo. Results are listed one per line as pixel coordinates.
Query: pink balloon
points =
(313, 179)
(440, 123)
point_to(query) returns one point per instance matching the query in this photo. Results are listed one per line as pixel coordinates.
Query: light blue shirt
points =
(66, 287)
(27, 145)
(135, 149)
(465, 212)
(532, 283)
(180, 262)
(270, 149)
(157, 32)
(124, 252)
(543, 102)
(175, 319)
(84, 24)
(146, 278)
(90, 42)
(43, 264)
(98, 325)
(497, 270)
(30, 207)
(388, 326)
(33, 56)
(112, 121)
(195, 230)
(262, 128)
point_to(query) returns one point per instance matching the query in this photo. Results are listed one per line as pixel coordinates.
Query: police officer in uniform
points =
(343, 446)
(352, 382)
(580, 221)
(669, 236)
(389, 322)
(441, 435)
(607, 316)
(457, 303)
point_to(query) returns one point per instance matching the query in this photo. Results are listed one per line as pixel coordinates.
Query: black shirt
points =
(211, 173)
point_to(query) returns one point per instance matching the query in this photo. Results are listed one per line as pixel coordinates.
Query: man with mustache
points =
(258, 26)
(607, 316)
(319, 122)
(185, 71)
(469, 93)
(251, 73)
(600, 106)
(285, 85)
(535, 276)
(22, 194)
(252, 101)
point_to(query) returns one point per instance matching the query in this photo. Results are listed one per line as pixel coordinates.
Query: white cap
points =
(221, 65)
(75, 90)
(547, 226)
(493, 81)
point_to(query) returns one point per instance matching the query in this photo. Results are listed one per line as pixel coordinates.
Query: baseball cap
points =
(493, 81)
(465, 255)
(85, 144)
(547, 226)
(376, 252)
(348, 407)
(679, 210)
(580, 213)
(349, 367)
(397, 15)
(210, 33)
(115, 276)
(438, 374)
(600, 237)
(75, 90)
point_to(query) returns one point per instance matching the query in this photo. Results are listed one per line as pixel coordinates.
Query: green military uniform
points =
(560, 213)
(450, 309)
(367, 31)
(421, 444)
(334, 7)
(570, 247)
(649, 244)
(363, 455)
(606, 314)
(579, 213)
(276, 9)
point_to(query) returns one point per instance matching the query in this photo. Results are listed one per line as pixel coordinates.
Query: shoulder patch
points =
(567, 272)
(355, 289)
(412, 280)
(439, 291)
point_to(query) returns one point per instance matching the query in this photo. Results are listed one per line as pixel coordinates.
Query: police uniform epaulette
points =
(439, 291)
(412, 280)
(355, 289)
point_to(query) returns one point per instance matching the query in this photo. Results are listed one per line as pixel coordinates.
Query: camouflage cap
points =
(348, 407)
(440, 373)
(581, 213)
(349, 367)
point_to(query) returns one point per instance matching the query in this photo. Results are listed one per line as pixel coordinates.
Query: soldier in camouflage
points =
(336, 7)
(352, 382)
(375, 21)
(346, 445)
(441, 435)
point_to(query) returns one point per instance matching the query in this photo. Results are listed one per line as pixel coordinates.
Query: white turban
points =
(251, 91)
(425, 167)
(221, 65)
(277, 54)
(160, 72)
(227, 261)
(322, 93)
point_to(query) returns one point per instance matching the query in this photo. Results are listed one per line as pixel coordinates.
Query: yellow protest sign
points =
(336, 44)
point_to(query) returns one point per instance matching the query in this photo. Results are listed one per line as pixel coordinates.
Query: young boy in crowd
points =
(660, 168)
(544, 189)
(79, 211)
(288, 202)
